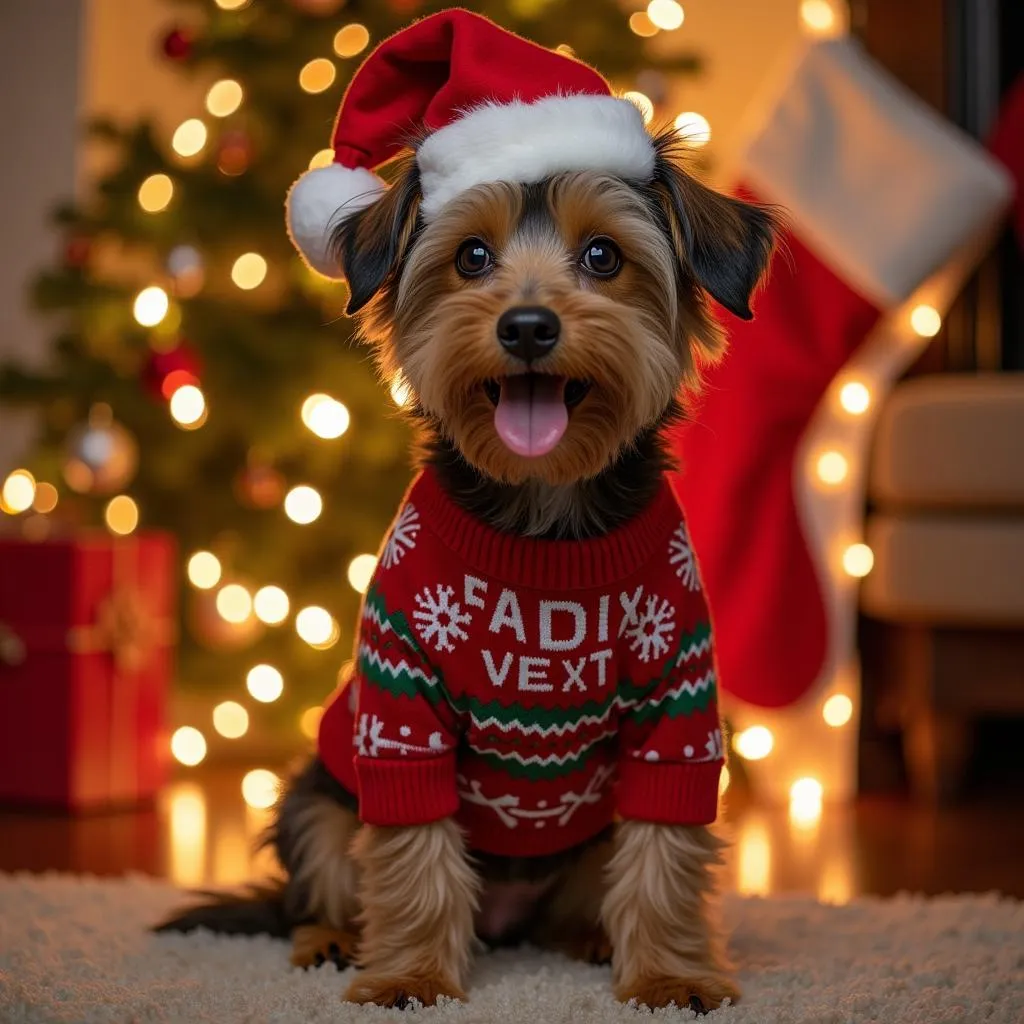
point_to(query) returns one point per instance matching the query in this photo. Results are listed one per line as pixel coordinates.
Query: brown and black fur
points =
(404, 902)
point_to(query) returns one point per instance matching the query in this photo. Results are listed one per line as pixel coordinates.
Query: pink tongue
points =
(531, 416)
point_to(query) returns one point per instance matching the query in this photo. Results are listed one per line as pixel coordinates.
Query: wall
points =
(40, 52)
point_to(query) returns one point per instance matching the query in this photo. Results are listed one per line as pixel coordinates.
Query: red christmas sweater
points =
(534, 689)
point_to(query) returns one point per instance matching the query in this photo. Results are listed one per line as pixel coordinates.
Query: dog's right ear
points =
(371, 243)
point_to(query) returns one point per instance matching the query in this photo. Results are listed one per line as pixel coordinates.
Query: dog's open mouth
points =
(532, 409)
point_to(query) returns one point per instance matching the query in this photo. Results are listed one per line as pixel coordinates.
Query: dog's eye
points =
(602, 258)
(473, 258)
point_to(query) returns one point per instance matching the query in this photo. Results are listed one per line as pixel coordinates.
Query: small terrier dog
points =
(547, 330)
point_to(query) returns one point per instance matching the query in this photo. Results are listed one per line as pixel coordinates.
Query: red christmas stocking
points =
(881, 194)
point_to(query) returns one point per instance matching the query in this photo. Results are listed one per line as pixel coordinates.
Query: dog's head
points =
(544, 327)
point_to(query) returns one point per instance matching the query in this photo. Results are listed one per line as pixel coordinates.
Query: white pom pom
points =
(319, 201)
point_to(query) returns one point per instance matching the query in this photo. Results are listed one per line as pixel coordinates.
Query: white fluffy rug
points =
(77, 950)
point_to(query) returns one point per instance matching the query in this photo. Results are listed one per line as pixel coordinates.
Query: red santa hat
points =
(478, 104)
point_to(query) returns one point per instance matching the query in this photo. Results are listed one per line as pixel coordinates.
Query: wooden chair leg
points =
(937, 747)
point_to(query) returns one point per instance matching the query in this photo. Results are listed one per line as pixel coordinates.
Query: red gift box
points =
(87, 626)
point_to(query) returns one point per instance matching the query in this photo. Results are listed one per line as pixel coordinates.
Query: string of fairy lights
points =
(328, 419)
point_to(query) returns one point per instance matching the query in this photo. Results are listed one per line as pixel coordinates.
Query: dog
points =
(589, 296)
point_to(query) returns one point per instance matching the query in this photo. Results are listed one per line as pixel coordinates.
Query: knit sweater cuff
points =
(406, 792)
(670, 794)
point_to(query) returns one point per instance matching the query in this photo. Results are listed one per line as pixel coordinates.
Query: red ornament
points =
(177, 44)
(77, 251)
(165, 372)
(234, 153)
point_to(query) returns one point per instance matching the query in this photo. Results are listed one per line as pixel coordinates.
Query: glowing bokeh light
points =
(351, 40)
(754, 743)
(858, 560)
(325, 416)
(832, 468)
(121, 515)
(188, 745)
(19, 491)
(666, 14)
(642, 102)
(694, 129)
(234, 603)
(151, 305)
(204, 570)
(926, 321)
(855, 397)
(260, 788)
(360, 572)
(188, 407)
(303, 505)
(271, 605)
(230, 719)
(189, 137)
(155, 193)
(837, 710)
(224, 97)
(249, 271)
(317, 75)
(264, 683)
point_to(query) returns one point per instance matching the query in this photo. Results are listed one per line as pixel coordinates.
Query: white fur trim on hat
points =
(527, 142)
(319, 201)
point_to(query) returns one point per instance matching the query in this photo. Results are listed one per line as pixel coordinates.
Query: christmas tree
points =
(204, 380)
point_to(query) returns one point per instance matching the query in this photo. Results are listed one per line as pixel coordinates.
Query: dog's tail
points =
(260, 910)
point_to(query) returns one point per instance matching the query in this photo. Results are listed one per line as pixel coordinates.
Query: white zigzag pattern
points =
(692, 688)
(394, 668)
(371, 613)
(551, 758)
(703, 647)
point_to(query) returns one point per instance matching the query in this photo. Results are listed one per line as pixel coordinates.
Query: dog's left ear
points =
(370, 244)
(725, 243)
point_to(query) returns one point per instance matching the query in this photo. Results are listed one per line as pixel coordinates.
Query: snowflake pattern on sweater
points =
(533, 689)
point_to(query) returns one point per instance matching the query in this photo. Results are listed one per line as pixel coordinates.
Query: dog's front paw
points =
(699, 994)
(314, 945)
(401, 992)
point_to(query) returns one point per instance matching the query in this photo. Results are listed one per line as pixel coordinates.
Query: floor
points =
(201, 830)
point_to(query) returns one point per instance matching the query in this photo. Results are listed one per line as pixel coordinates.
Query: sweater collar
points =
(545, 564)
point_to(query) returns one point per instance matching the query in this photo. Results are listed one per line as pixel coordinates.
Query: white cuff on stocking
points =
(883, 189)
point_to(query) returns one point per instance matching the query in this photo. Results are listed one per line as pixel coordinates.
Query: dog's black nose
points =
(528, 332)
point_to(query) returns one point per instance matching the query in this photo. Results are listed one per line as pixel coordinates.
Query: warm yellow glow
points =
(46, 498)
(858, 560)
(926, 321)
(836, 884)
(224, 97)
(316, 626)
(309, 723)
(303, 505)
(837, 710)
(325, 416)
(231, 720)
(317, 75)
(189, 137)
(350, 40)
(151, 305)
(754, 860)
(400, 392)
(641, 25)
(188, 745)
(260, 788)
(264, 683)
(249, 271)
(642, 102)
(754, 743)
(818, 16)
(566, 49)
(19, 491)
(323, 158)
(155, 193)
(121, 515)
(694, 129)
(666, 14)
(188, 835)
(231, 5)
(805, 802)
(234, 603)
(204, 570)
(855, 397)
(188, 407)
(832, 467)
(723, 780)
(360, 572)
(270, 605)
